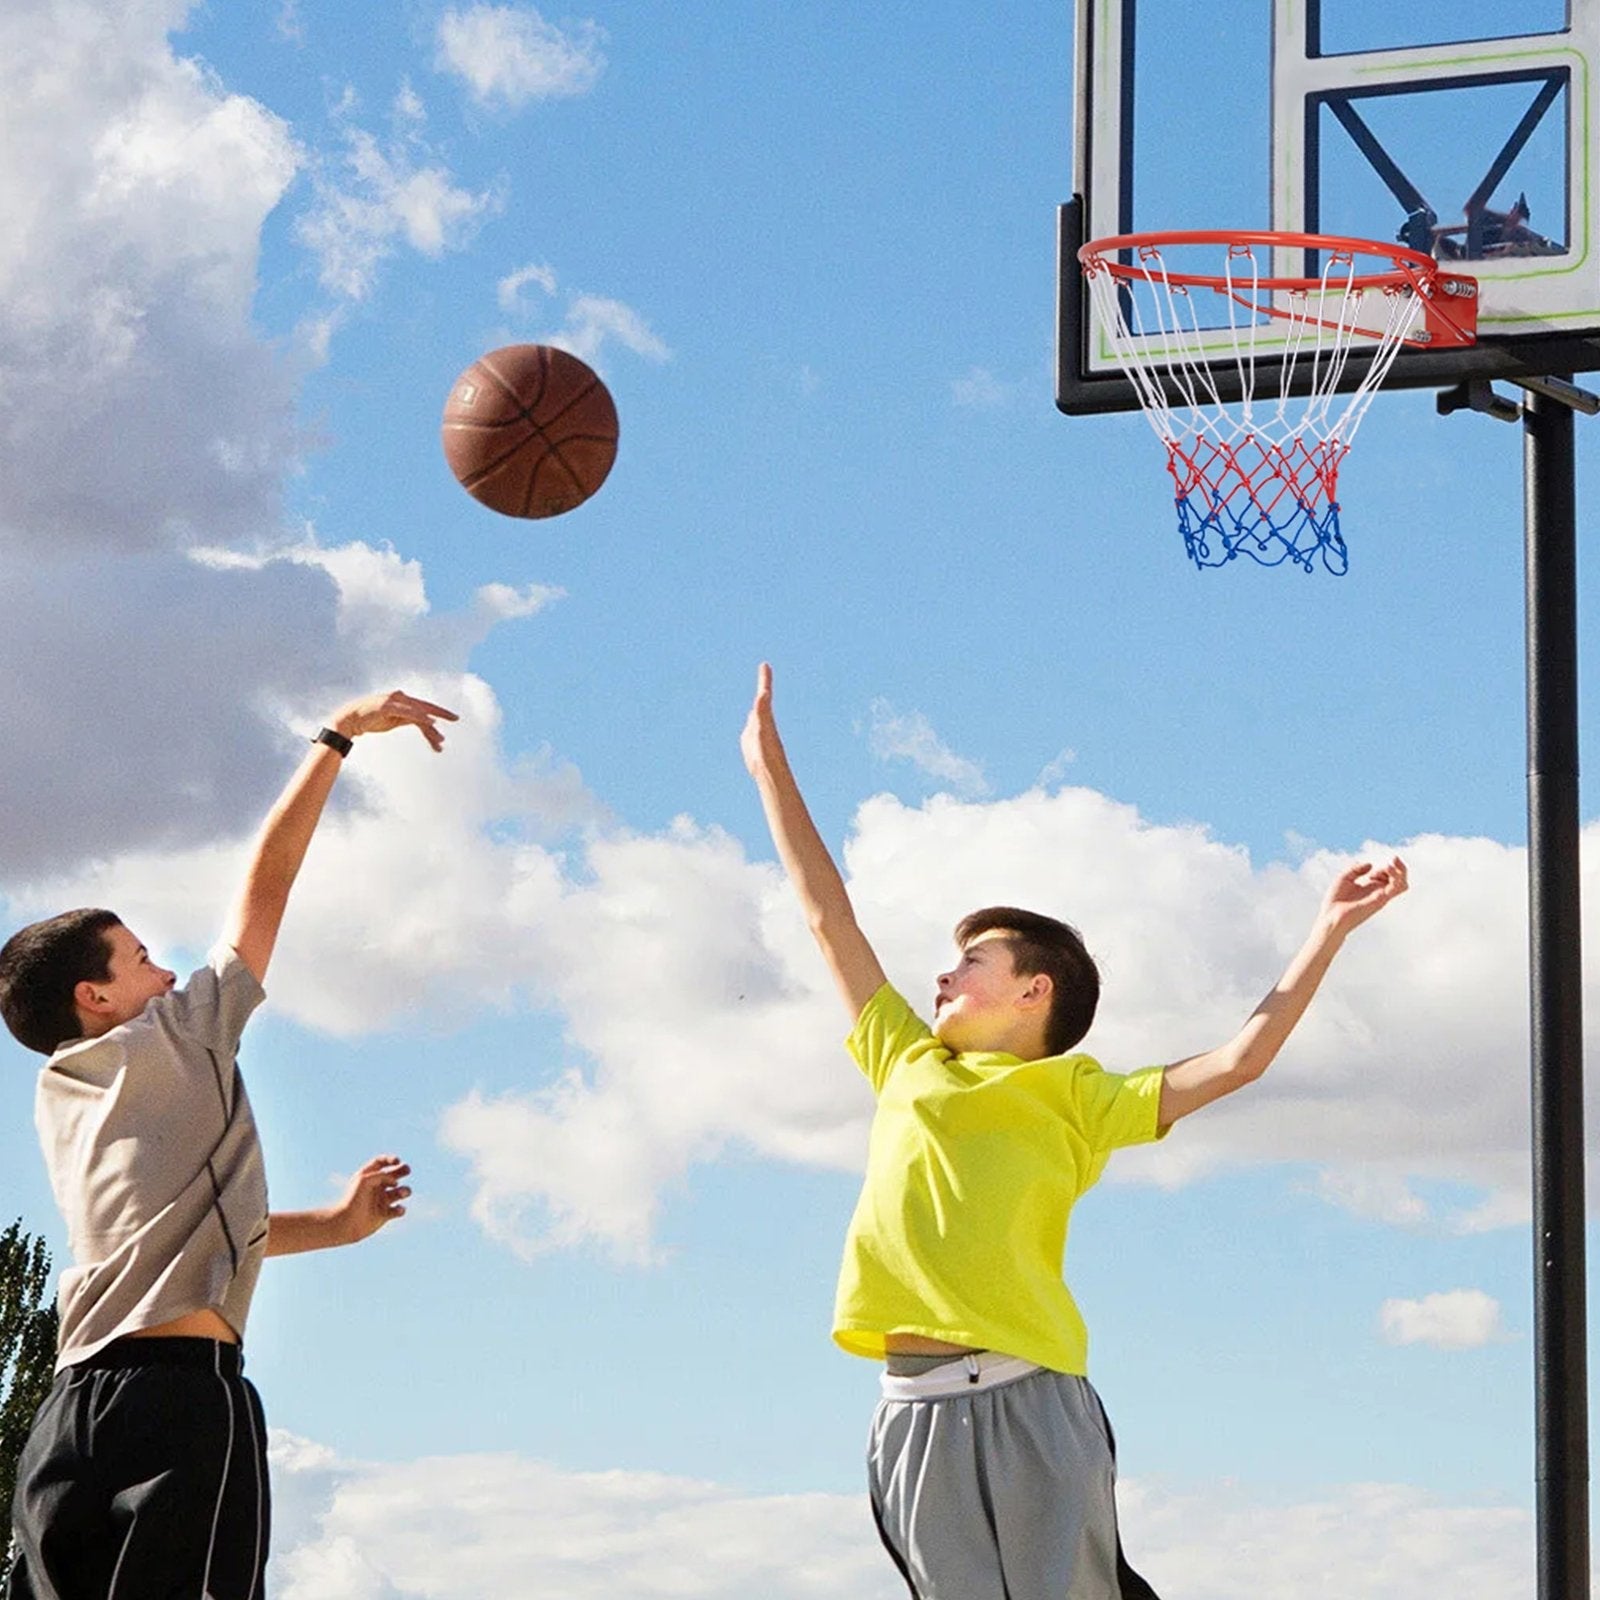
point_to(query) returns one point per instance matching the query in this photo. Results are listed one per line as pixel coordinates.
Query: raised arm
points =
(805, 858)
(286, 834)
(1358, 893)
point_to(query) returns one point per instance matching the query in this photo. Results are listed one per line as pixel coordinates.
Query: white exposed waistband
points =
(960, 1375)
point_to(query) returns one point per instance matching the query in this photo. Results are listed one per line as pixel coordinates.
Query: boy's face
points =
(134, 982)
(984, 1004)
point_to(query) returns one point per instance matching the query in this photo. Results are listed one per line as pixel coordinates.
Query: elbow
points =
(1250, 1069)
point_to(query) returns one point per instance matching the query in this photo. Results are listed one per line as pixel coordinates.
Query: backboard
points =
(1429, 123)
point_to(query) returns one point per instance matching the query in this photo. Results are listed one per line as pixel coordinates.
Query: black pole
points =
(1561, 1407)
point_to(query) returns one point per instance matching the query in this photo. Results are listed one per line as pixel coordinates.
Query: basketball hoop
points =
(1259, 476)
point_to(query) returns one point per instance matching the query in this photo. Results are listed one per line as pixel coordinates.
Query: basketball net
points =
(1259, 476)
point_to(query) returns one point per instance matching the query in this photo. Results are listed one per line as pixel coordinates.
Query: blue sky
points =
(811, 250)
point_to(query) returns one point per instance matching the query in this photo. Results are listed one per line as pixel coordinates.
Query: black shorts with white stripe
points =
(145, 1474)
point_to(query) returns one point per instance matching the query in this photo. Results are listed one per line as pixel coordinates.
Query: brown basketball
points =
(529, 430)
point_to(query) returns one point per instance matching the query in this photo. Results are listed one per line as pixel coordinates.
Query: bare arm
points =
(805, 857)
(375, 1196)
(1358, 893)
(286, 834)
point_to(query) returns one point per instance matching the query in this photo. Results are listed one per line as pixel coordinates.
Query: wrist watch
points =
(333, 739)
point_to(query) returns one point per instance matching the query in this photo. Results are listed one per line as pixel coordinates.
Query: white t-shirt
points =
(156, 1165)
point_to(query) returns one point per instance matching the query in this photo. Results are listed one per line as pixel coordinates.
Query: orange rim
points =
(1407, 266)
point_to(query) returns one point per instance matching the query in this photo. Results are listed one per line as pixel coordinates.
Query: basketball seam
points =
(511, 394)
(528, 408)
(491, 467)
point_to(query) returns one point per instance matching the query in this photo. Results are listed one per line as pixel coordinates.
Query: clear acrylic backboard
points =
(1466, 129)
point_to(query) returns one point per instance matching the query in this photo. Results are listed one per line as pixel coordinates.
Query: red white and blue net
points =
(1258, 476)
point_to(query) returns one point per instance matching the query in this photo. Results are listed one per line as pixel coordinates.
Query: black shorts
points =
(145, 1478)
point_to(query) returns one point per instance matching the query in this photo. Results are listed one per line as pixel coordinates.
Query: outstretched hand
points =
(759, 743)
(1361, 892)
(382, 713)
(376, 1195)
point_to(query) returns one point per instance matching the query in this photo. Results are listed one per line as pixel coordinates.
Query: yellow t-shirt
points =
(974, 1163)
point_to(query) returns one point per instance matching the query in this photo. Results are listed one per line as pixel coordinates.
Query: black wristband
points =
(333, 739)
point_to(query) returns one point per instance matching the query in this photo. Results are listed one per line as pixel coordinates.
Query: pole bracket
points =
(1478, 394)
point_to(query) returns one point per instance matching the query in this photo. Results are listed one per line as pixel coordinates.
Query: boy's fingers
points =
(431, 709)
(763, 680)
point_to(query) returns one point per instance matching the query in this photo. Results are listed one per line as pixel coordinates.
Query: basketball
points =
(529, 430)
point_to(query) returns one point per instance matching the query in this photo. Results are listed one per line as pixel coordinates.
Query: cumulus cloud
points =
(1190, 934)
(509, 55)
(363, 617)
(136, 187)
(380, 195)
(159, 731)
(506, 1525)
(1364, 1541)
(1462, 1319)
(909, 736)
(154, 669)
(178, 730)
(460, 1527)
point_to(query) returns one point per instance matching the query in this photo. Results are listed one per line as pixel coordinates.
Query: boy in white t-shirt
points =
(145, 1471)
(990, 1460)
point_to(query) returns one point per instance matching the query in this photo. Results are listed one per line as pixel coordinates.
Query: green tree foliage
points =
(27, 1356)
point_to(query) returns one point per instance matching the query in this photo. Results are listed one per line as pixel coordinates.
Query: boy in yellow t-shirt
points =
(990, 1460)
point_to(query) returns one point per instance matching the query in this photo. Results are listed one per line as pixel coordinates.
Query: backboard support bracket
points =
(1478, 394)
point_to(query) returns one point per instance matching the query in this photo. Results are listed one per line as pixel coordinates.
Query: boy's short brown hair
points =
(1042, 944)
(41, 965)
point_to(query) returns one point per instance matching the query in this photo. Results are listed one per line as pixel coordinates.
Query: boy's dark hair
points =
(1042, 944)
(42, 964)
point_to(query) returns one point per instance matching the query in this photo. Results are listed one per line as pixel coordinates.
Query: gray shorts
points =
(1004, 1493)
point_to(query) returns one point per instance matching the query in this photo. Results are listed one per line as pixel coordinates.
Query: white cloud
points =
(713, 949)
(207, 729)
(1189, 933)
(909, 736)
(979, 390)
(1363, 1541)
(1369, 1190)
(509, 55)
(592, 322)
(1461, 1319)
(505, 1525)
(460, 1527)
(378, 196)
(136, 187)
(1057, 768)
(509, 289)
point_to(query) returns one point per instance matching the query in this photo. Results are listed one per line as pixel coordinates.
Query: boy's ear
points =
(1039, 990)
(88, 999)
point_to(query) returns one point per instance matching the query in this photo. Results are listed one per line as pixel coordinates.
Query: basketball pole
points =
(1561, 1406)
